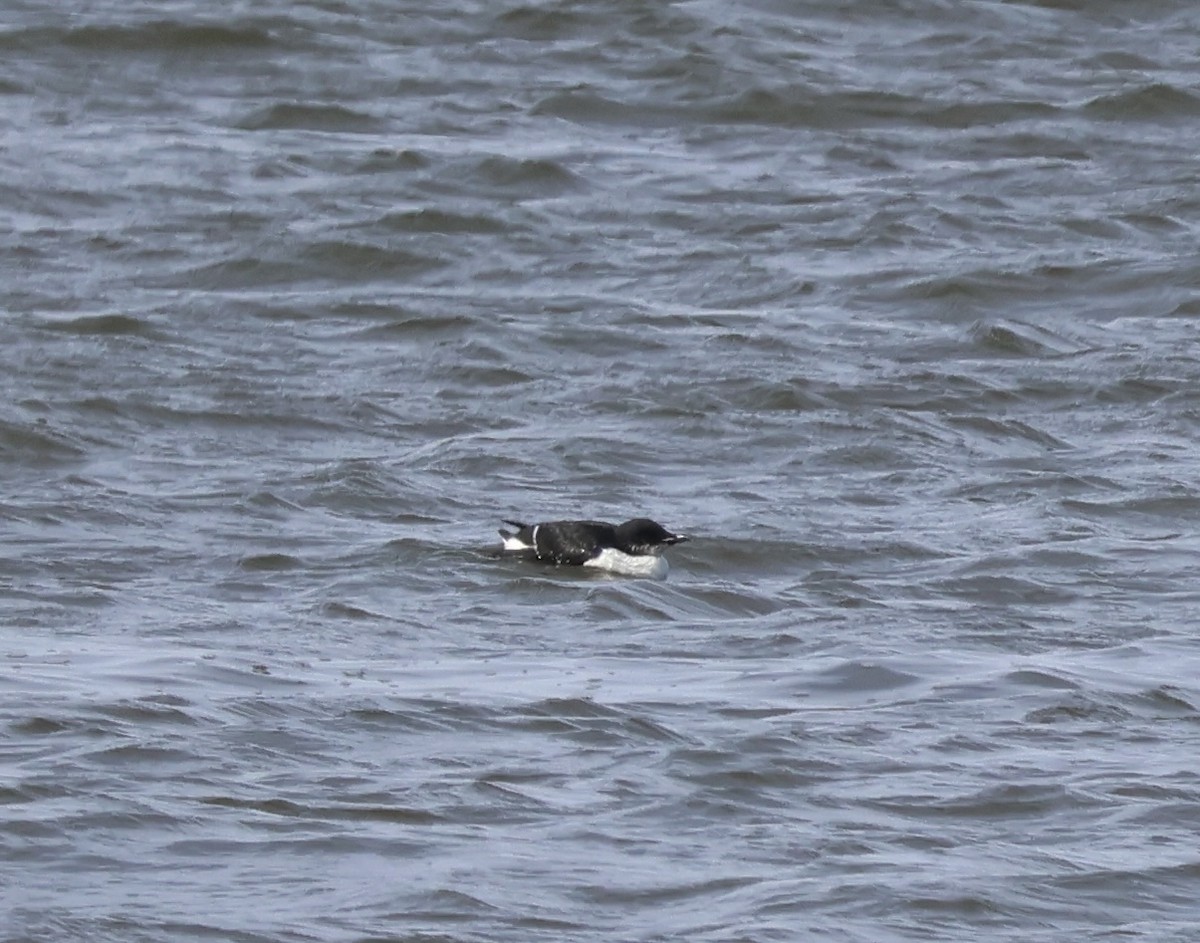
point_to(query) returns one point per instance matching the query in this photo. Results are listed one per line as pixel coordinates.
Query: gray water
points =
(891, 306)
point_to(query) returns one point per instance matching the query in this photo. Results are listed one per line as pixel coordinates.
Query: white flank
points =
(628, 564)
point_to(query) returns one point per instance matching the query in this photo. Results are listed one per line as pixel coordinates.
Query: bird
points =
(634, 548)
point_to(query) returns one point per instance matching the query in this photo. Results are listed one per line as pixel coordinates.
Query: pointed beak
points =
(678, 539)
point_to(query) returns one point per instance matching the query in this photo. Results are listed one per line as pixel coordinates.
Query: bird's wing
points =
(570, 542)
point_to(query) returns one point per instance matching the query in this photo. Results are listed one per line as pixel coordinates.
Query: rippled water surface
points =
(893, 307)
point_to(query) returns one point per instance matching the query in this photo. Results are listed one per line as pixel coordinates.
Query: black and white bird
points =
(634, 548)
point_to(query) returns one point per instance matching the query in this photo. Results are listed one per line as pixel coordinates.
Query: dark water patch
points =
(105, 325)
(1022, 484)
(961, 906)
(1067, 560)
(1157, 223)
(1012, 800)
(790, 395)
(169, 36)
(721, 602)
(421, 557)
(858, 678)
(1092, 380)
(368, 310)
(1118, 387)
(804, 107)
(1153, 102)
(341, 610)
(539, 24)
(138, 755)
(1019, 339)
(743, 714)
(1172, 700)
(1080, 709)
(1094, 227)
(989, 289)
(40, 726)
(441, 221)
(1176, 801)
(800, 106)
(1024, 144)
(861, 456)
(741, 558)
(1186, 308)
(1119, 60)
(342, 259)
(977, 114)
(287, 418)
(624, 608)
(288, 168)
(1146, 883)
(306, 116)
(750, 776)
(587, 107)
(269, 504)
(1040, 679)
(1010, 430)
(270, 562)
(287, 808)
(664, 893)
(489, 376)
(508, 800)
(169, 711)
(589, 723)
(960, 287)
(499, 177)
(385, 160)
(840, 590)
(621, 600)
(1168, 509)
(925, 395)
(963, 743)
(572, 31)
(318, 263)
(154, 38)
(38, 444)
(575, 708)
(242, 274)
(420, 328)
(412, 717)
(534, 176)
(1002, 589)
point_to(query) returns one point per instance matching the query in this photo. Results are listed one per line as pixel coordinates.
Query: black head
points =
(642, 536)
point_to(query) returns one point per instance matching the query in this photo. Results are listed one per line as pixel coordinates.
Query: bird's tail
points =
(505, 535)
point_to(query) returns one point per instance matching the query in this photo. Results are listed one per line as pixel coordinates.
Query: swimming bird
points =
(634, 548)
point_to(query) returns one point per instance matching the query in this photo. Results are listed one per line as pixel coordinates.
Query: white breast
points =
(628, 564)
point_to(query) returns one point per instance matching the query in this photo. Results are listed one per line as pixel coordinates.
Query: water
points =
(892, 307)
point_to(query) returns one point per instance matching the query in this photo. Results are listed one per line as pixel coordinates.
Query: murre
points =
(634, 548)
